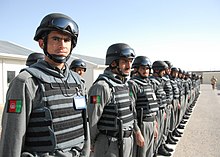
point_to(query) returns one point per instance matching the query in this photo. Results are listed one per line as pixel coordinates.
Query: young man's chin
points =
(127, 73)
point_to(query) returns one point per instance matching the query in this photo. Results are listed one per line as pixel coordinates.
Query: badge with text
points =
(79, 102)
(95, 99)
(14, 106)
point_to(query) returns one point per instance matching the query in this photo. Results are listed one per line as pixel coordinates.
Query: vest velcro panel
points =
(120, 107)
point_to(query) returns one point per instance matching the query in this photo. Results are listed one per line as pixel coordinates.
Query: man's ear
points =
(136, 69)
(113, 64)
(41, 43)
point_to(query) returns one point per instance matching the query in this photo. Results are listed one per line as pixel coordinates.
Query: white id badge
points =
(79, 102)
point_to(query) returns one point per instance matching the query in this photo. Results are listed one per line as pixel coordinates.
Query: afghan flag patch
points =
(96, 99)
(14, 106)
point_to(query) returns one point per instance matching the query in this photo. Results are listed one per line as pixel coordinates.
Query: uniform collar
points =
(114, 76)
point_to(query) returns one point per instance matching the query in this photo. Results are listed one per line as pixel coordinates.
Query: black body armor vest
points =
(159, 89)
(146, 97)
(176, 91)
(55, 123)
(119, 107)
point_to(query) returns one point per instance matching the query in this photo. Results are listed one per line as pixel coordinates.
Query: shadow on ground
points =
(218, 90)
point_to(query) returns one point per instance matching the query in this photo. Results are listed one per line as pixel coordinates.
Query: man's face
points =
(80, 71)
(144, 71)
(168, 71)
(58, 43)
(125, 65)
(162, 73)
(175, 74)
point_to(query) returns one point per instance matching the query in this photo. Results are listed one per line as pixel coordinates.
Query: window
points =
(10, 76)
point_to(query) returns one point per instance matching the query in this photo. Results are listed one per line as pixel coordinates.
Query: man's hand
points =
(139, 138)
(179, 106)
(165, 115)
(155, 130)
(91, 149)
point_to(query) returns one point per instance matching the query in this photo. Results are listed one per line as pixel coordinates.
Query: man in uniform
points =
(170, 106)
(180, 83)
(33, 58)
(44, 114)
(213, 82)
(111, 107)
(158, 83)
(186, 93)
(79, 66)
(176, 101)
(190, 91)
(146, 104)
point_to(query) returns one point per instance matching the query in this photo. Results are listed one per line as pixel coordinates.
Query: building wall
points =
(8, 65)
(16, 64)
(208, 75)
(1, 82)
(88, 77)
(91, 75)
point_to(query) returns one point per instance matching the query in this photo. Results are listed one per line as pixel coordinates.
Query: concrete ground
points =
(201, 136)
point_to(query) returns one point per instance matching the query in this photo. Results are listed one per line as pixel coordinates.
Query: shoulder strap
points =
(104, 78)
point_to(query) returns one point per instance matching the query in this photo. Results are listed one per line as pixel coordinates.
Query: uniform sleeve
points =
(134, 90)
(98, 96)
(15, 117)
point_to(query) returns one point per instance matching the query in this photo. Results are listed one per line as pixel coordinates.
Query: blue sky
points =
(185, 32)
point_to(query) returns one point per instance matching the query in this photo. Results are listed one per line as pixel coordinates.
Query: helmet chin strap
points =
(121, 73)
(56, 58)
(143, 77)
(118, 70)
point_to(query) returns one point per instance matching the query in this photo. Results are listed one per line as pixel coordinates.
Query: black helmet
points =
(116, 51)
(159, 65)
(78, 63)
(169, 64)
(57, 22)
(188, 73)
(193, 75)
(141, 61)
(33, 58)
(174, 69)
(183, 72)
(60, 22)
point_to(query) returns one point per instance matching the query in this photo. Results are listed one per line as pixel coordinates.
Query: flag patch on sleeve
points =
(96, 99)
(14, 106)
